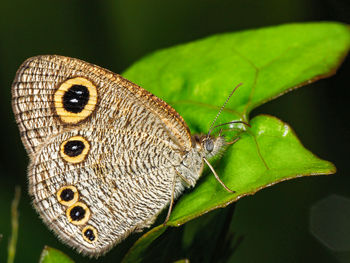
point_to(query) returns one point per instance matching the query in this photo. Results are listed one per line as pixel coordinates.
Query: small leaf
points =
(52, 255)
(197, 77)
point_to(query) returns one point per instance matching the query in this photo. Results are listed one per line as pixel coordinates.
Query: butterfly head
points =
(209, 146)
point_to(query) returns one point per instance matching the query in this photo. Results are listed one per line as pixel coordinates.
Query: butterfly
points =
(106, 156)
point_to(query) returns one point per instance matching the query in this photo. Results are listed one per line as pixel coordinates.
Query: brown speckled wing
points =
(103, 151)
(39, 77)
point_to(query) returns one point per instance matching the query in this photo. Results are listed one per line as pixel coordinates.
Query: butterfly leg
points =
(171, 201)
(235, 140)
(183, 178)
(217, 177)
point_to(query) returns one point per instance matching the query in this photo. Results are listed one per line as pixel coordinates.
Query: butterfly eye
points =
(78, 214)
(75, 100)
(209, 145)
(75, 149)
(67, 195)
(89, 234)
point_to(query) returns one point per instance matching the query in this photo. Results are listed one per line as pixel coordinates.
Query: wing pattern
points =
(98, 173)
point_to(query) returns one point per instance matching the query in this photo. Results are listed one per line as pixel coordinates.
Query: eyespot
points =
(90, 234)
(75, 100)
(78, 214)
(209, 145)
(67, 195)
(75, 149)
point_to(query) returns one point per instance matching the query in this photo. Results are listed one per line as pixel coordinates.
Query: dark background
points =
(274, 223)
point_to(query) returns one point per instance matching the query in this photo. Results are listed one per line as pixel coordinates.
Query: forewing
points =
(39, 114)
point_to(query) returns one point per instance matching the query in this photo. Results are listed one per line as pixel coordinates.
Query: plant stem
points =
(14, 223)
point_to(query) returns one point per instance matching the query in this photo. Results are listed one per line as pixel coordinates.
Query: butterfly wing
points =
(116, 192)
(36, 84)
(102, 150)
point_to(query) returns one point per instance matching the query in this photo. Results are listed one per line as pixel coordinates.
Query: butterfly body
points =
(106, 156)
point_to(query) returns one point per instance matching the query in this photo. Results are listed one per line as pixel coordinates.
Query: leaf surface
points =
(52, 255)
(196, 79)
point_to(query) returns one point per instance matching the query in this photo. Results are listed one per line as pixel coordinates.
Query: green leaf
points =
(266, 154)
(52, 255)
(142, 244)
(196, 78)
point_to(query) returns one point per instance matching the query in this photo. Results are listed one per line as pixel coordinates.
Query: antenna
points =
(223, 106)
